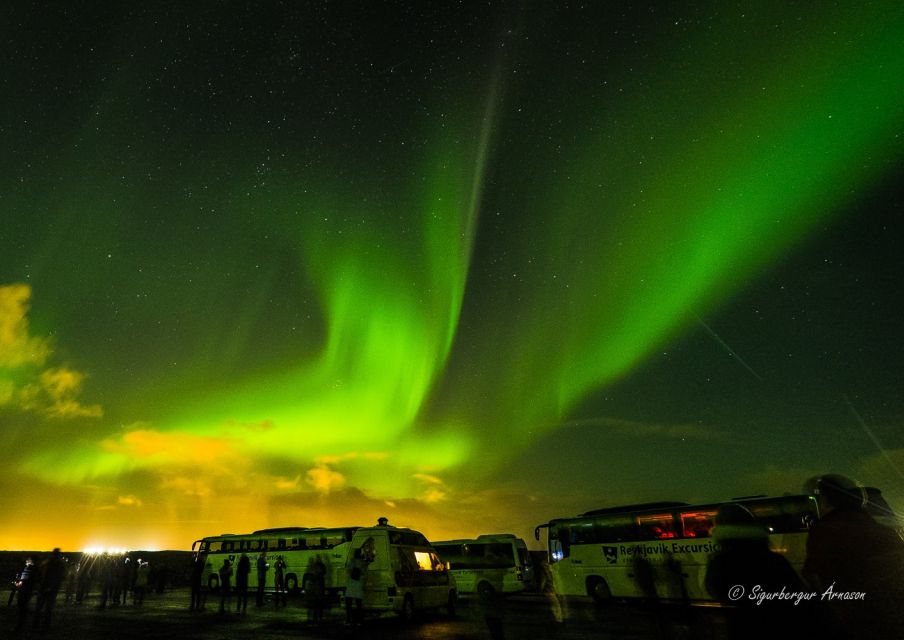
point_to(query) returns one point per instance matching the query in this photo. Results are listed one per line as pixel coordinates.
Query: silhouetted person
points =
(243, 568)
(225, 574)
(161, 578)
(646, 581)
(83, 578)
(745, 566)
(354, 588)
(279, 578)
(383, 521)
(126, 578)
(12, 589)
(849, 552)
(194, 579)
(262, 567)
(71, 575)
(491, 605)
(107, 575)
(25, 586)
(315, 589)
(53, 572)
(142, 580)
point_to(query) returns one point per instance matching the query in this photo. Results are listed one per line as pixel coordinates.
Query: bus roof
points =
(648, 507)
(484, 537)
(643, 506)
(301, 530)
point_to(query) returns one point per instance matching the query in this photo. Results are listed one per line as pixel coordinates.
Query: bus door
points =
(656, 571)
(694, 549)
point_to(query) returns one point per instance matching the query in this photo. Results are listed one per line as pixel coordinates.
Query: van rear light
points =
(391, 592)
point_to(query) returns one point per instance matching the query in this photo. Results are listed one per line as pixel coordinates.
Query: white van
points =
(488, 563)
(403, 573)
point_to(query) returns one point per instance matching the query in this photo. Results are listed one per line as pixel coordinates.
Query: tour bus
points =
(490, 562)
(617, 552)
(403, 573)
(298, 546)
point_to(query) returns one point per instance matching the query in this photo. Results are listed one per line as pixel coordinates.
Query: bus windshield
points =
(478, 555)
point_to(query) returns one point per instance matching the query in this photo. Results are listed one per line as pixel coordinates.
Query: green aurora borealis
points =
(265, 270)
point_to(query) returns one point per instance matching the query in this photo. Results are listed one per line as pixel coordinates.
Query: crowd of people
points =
(233, 582)
(118, 577)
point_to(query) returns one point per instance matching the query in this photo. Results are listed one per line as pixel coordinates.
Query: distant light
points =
(99, 550)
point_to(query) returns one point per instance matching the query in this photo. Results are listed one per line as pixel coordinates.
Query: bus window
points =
(658, 526)
(281, 544)
(697, 524)
(790, 515)
(614, 528)
(582, 533)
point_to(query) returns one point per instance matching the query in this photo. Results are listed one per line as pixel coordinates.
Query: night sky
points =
(469, 266)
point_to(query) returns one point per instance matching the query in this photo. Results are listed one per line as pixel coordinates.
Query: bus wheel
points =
(407, 612)
(485, 589)
(598, 590)
(213, 582)
(292, 584)
(450, 606)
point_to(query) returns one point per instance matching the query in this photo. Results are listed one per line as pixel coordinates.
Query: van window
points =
(422, 558)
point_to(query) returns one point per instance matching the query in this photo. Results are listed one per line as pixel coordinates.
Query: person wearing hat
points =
(745, 566)
(849, 553)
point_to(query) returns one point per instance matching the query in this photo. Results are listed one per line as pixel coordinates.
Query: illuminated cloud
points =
(145, 447)
(427, 478)
(324, 479)
(25, 383)
(17, 346)
(287, 484)
(54, 394)
(433, 495)
(129, 501)
(436, 490)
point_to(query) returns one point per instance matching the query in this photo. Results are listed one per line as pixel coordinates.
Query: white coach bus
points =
(611, 553)
(402, 572)
(298, 546)
(490, 562)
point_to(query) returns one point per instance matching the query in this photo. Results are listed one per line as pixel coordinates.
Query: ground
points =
(166, 615)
